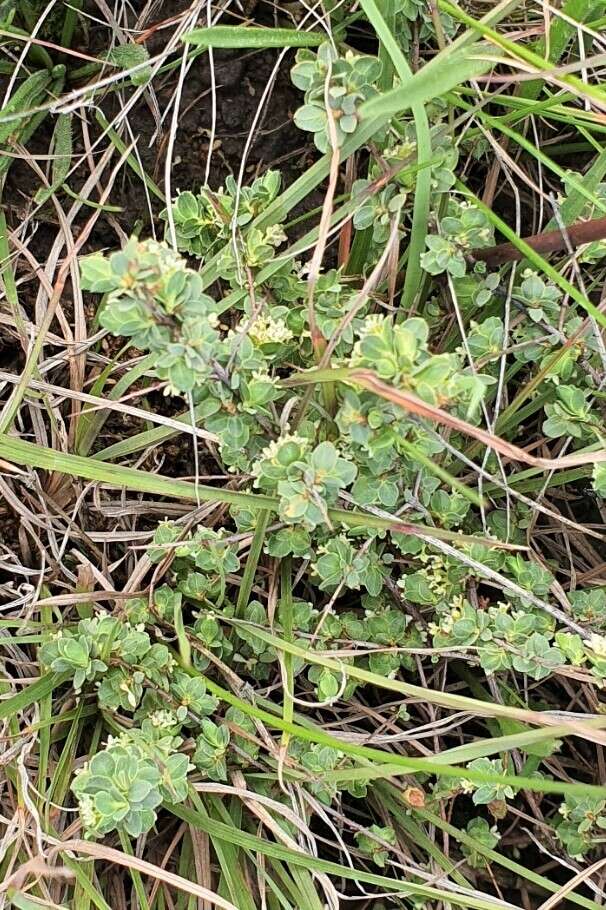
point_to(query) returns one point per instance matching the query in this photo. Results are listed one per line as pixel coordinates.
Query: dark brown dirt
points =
(241, 78)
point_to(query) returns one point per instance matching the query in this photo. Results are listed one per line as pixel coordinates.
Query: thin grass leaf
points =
(85, 892)
(560, 33)
(250, 569)
(446, 71)
(538, 261)
(420, 215)
(140, 866)
(146, 439)
(576, 182)
(7, 279)
(130, 159)
(272, 850)
(91, 422)
(519, 51)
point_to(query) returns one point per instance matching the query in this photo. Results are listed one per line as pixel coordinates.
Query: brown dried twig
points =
(547, 242)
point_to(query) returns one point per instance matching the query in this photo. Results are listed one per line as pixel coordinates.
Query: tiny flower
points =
(267, 330)
(597, 644)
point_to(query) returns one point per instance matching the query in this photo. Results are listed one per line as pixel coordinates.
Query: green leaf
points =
(61, 147)
(311, 118)
(127, 56)
(96, 274)
(599, 479)
(246, 36)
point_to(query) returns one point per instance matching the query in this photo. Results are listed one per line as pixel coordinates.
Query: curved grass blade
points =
(394, 803)
(535, 258)
(369, 380)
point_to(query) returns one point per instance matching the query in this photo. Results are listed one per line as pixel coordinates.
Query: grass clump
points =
(326, 623)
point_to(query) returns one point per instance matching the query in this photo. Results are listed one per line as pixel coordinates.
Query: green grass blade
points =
(30, 694)
(62, 149)
(445, 72)
(538, 261)
(445, 699)
(147, 438)
(32, 455)
(560, 33)
(393, 801)
(519, 51)
(408, 765)
(420, 215)
(248, 576)
(91, 421)
(267, 848)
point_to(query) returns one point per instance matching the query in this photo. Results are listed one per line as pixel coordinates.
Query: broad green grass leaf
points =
(434, 80)
(240, 36)
(62, 148)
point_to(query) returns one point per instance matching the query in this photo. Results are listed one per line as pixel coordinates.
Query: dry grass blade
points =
(110, 855)
(12, 405)
(414, 405)
(109, 405)
(574, 882)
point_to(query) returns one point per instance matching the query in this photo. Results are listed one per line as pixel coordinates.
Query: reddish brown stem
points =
(548, 242)
(346, 231)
